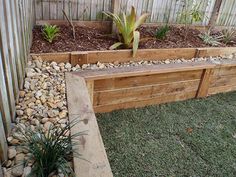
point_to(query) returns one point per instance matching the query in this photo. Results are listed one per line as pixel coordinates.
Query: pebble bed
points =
(42, 102)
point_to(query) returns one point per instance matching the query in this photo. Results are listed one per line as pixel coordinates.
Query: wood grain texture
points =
(90, 146)
(204, 85)
(144, 70)
(143, 103)
(118, 96)
(3, 142)
(135, 81)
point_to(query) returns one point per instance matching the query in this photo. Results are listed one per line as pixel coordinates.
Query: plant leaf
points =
(116, 45)
(136, 42)
(140, 21)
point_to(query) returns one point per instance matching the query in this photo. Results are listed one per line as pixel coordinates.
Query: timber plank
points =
(135, 81)
(57, 57)
(216, 51)
(143, 70)
(144, 92)
(143, 103)
(91, 146)
(142, 54)
(223, 81)
(221, 89)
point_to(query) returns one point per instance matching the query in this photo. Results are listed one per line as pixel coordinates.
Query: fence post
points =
(215, 13)
(115, 4)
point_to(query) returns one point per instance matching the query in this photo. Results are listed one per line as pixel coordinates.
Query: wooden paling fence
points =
(221, 11)
(16, 23)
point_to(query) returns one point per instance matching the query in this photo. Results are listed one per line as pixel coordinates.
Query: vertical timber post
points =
(215, 13)
(205, 83)
(115, 4)
(90, 87)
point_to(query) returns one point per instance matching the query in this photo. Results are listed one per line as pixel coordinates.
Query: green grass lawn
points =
(194, 138)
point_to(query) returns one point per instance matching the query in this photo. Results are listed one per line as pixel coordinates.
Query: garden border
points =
(121, 56)
(209, 78)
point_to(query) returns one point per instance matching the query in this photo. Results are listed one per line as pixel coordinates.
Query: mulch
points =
(88, 39)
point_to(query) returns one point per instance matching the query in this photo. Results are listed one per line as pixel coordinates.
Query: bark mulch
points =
(88, 39)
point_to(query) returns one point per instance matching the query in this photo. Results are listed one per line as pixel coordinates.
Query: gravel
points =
(42, 102)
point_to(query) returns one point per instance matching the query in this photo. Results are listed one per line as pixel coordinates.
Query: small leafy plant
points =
(127, 26)
(50, 150)
(190, 14)
(228, 35)
(162, 32)
(50, 32)
(210, 39)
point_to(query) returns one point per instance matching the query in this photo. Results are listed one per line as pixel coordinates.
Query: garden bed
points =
(91, 39)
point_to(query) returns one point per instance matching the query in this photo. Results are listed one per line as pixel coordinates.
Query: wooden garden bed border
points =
(122, 56)
(80, 98)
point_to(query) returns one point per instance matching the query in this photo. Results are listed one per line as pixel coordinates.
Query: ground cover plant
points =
(188, 138)
(50, 151)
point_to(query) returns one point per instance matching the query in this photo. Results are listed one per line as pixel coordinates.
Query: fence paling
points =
(16, 21)
(160, 10)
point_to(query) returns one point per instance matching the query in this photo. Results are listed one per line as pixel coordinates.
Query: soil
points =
(88, 39)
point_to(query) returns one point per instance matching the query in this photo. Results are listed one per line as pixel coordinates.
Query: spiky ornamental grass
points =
(51, 150)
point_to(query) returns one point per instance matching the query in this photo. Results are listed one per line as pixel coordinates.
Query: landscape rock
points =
(19, 158)
(11, 152)
(47, 125)
(27, 171)
(18, 170)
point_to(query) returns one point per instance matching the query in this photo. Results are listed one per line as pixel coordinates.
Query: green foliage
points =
(162, 32)
(50, 32)
(50, 150)
(127, 28)
(228, 35)
(212, 40)
(191, 12)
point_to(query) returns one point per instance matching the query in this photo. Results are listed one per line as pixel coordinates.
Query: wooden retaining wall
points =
(131, 87)
(121, 56)
(16, 23)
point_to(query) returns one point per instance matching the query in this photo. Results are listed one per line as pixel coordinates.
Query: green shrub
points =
(162, 32)
(50, 32)
(127, 28)
(51, 150)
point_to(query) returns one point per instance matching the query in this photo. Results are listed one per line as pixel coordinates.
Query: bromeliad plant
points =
(127, 26)
(50, 32)
(51, 150)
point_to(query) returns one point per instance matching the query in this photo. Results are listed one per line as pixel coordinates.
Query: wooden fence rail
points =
(16, 23)
(218, 12)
